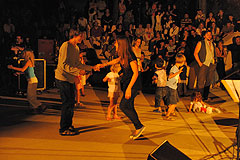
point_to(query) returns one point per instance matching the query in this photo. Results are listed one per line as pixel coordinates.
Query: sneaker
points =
(135, 136)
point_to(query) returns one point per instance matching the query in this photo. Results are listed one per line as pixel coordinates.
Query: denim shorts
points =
(172, 96)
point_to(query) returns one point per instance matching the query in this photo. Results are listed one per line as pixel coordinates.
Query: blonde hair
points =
(28, 55)
(115, 68)
(180, 58)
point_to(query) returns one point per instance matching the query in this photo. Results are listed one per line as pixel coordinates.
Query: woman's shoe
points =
(140, 131)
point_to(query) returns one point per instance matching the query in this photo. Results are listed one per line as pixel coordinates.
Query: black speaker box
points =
(166, 151)
(40, 72)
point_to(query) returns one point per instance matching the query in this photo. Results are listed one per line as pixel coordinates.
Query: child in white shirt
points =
(113, 80)
(197, 105)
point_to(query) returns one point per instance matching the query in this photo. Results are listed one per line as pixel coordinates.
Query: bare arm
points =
(20, 69)
(171, 75)
(196, 51)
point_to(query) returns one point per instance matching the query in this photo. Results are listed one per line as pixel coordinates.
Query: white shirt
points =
(114, 84)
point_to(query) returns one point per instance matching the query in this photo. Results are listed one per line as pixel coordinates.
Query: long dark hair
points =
(124, 49)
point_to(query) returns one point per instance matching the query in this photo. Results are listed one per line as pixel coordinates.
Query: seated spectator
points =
(232, 20)
(215, 31)
(209, 20)
(171, 50)
(200, 17)
(140, 31)
(119, 30)
(220, 19)
(96, 19)
(185, 50)
(120, 20)
(167, 25)
(200, 29)
(96, 33)
(101, 7)
(152, 43)
(184, 36)
(106, 21)
(227, 29)
(174, 31)
(160, 50)
(128, 19)
(186, 20)
(149, 34)
(9, 29)
(82, 22)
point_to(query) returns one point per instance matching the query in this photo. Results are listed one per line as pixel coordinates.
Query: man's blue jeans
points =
(68, 99)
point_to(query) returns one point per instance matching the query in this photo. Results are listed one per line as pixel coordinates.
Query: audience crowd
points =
(162, 29)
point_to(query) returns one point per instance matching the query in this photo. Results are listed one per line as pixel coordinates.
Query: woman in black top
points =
(129, 82)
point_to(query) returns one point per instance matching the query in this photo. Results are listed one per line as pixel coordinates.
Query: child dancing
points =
(113, 90)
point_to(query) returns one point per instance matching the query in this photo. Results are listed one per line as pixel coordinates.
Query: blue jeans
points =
(68, 99)
(127, 107)
(160, 93)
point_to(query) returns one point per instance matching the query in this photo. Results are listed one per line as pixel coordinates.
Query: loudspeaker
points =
(40, 72)
(166, 151)
(46, 50)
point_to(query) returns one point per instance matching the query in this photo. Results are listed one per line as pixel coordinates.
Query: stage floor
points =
(35, 137)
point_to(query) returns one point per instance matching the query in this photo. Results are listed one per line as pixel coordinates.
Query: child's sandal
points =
(169, 118)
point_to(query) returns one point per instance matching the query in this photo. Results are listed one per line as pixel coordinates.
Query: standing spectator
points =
(158, 25)
(221, 52)
(68, 67)
(28, 68)
(235, 49)
(206, 58)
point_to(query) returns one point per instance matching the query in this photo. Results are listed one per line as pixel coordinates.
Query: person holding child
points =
(28, 69)
(172, 84)
(160, 79)
(113, 80)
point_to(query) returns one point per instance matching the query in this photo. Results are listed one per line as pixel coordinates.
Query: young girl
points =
(28, 68)
(113, 90)
(197, 105)
(80, 81)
